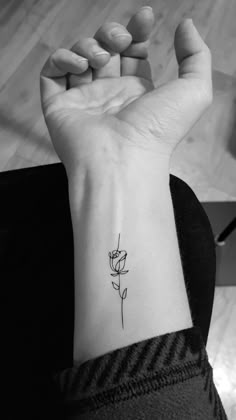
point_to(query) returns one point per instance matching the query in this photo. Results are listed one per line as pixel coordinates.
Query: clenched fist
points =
(100, 104)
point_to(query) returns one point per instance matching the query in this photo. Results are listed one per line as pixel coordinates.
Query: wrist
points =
(139, 176)
(139, 208)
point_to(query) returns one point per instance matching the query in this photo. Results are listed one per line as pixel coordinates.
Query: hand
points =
(111, 110)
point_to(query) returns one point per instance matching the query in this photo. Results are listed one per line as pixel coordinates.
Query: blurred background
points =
(31, 30)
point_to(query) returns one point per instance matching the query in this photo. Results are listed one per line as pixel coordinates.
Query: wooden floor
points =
(31, 30)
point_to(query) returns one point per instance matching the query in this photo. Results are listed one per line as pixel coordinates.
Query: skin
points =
(115, 133)
(112, 113)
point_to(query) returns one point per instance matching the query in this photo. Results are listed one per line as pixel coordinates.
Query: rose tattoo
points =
(117, 260)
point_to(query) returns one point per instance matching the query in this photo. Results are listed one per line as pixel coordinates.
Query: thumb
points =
(192, 53)
(169, 111)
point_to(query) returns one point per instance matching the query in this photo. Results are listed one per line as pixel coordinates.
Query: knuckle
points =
(56, 66)
(83, 46)
(103, 30)
(60, 52)
(79, 44)
(113, 25)
(108, 27)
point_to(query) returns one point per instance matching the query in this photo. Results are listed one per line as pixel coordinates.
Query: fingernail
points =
(146, 7)
(118, 33)
(98, 51)
(101, 53)
(80, 60)
(121, 36)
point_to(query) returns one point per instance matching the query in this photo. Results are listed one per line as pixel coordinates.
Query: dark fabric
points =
(37, 278)
(165, 377)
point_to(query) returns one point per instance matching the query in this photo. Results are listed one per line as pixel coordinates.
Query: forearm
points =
(138, 213)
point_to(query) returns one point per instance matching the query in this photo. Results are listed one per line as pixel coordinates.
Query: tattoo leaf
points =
(116, 286)
(124, 294)
(124, 272)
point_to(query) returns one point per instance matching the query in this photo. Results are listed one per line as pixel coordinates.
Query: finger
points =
(141, 24)
(192, 54)
(137, 50)
(181, 101)
(52, 76)
(134, 60)
(114, 38)
(90, 49)
(97, 57)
